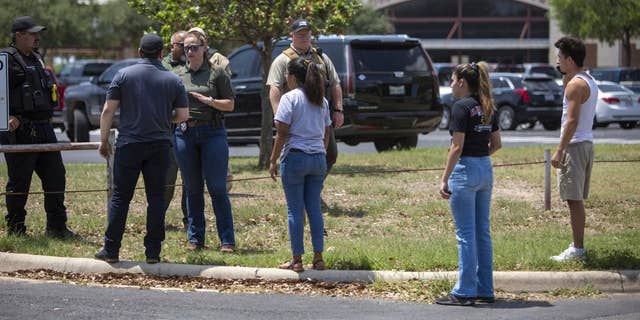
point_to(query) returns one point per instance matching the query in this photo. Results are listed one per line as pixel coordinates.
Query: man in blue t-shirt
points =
(149, 98)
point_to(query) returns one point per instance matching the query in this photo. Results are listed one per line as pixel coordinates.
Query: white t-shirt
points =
(584, 131)
(307, 122)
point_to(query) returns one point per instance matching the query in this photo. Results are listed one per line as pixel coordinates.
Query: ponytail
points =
(484, 92)
(476, 75)
(308, 76)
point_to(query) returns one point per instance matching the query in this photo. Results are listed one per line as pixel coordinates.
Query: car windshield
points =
(107, 75)
(541, 85)
(612, 88)
(378, 58)
(94, 69)
(548, 70)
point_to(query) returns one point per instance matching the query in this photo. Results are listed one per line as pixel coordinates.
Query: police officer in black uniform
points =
(31, 102)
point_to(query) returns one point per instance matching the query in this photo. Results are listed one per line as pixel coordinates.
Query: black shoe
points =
(153, 260)
(485, 299)
(18, 231)
(64, 233)
(104, 256)
(453, 300)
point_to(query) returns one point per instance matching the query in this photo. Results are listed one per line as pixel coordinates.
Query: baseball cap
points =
(151, 43)
(26, 23)
(299, 25)
(198, 30)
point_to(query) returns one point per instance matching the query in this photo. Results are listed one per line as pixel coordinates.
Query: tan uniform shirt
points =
(279, 66)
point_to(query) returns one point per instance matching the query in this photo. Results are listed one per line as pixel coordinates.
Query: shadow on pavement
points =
(514, 304)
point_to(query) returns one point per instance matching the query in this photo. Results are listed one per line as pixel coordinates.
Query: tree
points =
(253, 22)
(606, 20)
(77, 24)
(368, 20)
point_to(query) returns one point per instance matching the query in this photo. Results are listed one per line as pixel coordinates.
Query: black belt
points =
(295, 150)
(217, 123)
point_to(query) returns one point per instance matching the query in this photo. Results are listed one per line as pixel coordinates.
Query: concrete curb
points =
(518, 281)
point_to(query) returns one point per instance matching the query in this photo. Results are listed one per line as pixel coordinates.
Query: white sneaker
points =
(571, 253)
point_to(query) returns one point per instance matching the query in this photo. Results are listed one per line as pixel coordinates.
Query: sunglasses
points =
(193, 47)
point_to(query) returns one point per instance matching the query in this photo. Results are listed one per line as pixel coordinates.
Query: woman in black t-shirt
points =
(467, 182)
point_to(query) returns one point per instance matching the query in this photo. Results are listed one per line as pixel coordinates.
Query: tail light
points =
(611, 100)
(523, 94)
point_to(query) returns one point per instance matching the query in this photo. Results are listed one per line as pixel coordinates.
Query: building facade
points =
(498, 31)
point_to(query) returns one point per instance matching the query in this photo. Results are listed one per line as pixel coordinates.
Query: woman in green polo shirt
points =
(201, 144)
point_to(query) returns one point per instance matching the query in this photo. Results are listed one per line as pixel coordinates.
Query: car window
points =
(541, 85)
(605, 75)
(336, 54)
(630, 75)
(94, 69)
(66, 70)
(107, 75)
(444, 75)
(548, 70)
(612, 88)
(244, 63)
(517, 82)
(377, 58)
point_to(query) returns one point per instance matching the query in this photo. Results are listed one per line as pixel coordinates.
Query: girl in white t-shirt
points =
(302, 122)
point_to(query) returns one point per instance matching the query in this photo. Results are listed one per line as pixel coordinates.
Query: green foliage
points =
(605, 20)
(369, 21)
(76, 24)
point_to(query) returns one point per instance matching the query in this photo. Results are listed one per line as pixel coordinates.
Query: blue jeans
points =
(152, 159)
(203, 156)
(470, 183)
(302, 179)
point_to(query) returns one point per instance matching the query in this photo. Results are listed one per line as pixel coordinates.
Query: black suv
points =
(527, 98)
(390, 90)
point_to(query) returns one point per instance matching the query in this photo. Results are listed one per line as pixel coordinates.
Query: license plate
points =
(548, 97)
(396, 90)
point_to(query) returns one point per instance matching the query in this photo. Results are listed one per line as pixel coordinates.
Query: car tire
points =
(506, 118)
(407, 143)
(446, 116)
(627, 125)
(79, 129)
(384, 144)
(551, 125)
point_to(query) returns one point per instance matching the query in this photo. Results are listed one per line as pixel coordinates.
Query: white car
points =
(616, 104)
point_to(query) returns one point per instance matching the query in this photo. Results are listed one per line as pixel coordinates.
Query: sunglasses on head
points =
(192, 47)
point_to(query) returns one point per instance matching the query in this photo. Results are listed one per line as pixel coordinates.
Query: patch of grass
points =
(581, 292)
(374, 220)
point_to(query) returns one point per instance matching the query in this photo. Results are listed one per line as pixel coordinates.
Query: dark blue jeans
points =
(203, 156)
(302, 180)
(152, 159)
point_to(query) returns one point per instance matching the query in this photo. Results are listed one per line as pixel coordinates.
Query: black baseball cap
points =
(151, 43)
(27, 24)
(299, 25)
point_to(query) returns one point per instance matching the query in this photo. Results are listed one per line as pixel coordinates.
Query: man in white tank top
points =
(574, 155)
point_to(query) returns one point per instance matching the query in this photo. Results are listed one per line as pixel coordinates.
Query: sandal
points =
(318, 265)
(295, 265)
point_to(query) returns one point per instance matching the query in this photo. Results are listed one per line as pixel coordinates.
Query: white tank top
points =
(584, 131)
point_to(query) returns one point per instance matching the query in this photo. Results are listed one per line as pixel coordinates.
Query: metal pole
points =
(547, 179)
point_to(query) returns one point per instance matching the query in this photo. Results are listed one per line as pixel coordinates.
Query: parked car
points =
(83, 103)
(544, 68)
(390, 92)
(520, 99)
(616, 104)
(628, 77)
(58, 117)
(444, 71)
